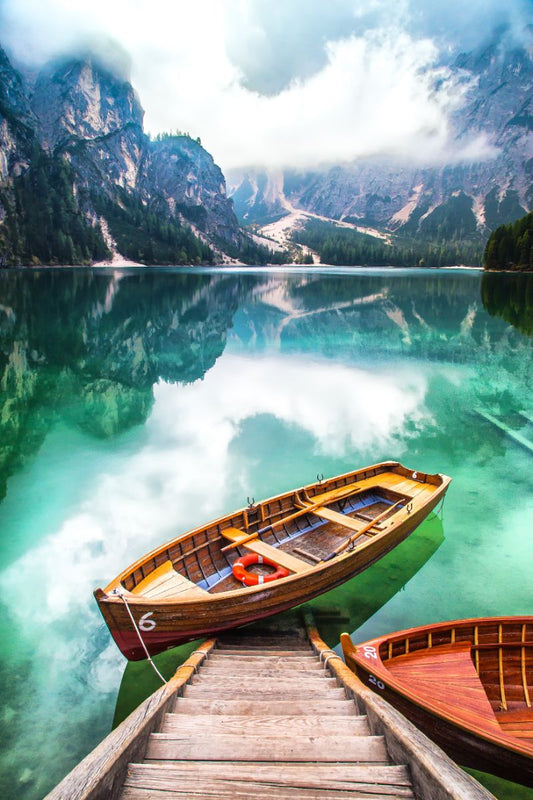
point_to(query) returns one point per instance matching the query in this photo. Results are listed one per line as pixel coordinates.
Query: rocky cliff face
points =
(185, 175)
(96, 119)
(81, 111)
(17, 122)
(82, 101)
(400, 197)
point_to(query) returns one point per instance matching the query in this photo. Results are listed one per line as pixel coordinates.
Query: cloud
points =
(298, 83)
(273, 49)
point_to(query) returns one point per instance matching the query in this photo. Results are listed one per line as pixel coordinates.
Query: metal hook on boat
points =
(251, 503)
(320, 478)
(409, 507)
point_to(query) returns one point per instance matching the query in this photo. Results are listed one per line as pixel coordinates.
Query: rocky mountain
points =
(79, 134)
(474, 196)
(17, 123)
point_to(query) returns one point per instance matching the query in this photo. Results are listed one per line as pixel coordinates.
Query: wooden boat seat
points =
(343, 519)
(166, 582)
(445, 675)
(263, 549)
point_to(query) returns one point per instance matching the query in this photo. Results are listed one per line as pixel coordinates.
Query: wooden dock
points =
(516, 435)
(266, 711)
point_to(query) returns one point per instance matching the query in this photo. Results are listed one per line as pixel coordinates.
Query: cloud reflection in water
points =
(180, 475)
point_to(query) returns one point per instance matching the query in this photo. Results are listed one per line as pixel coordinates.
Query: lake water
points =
(137, 404)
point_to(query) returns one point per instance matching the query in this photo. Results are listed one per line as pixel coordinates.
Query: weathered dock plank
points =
(267, 715)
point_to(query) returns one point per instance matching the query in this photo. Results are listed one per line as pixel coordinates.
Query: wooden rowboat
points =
(315, 538)
(467, 684)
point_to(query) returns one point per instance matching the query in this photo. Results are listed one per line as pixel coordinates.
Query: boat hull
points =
(485, 750)
(168, 623)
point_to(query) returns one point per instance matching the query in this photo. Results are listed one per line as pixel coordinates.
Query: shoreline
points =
(126, 264)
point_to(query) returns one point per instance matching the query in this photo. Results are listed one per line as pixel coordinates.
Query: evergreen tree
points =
(44, 223)
(509, 247)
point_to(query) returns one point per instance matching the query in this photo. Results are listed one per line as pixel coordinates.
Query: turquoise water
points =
(137, 404)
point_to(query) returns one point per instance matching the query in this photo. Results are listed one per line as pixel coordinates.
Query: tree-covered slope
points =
(349, 247)
(510, 247)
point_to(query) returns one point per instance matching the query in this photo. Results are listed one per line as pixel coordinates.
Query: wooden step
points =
(266, 684)
(242, 636)
(244, 790)
(160, 782)
(266, 725)
(278, 693)
(269, 670)
(280, 747)
(390, 778)
(246, 707)
(241, 657)
(271, 664)
(259, 651)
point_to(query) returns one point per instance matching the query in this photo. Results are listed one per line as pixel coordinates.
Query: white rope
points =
(121, 595)
(328, 654)
(331, 655)
(440, 508)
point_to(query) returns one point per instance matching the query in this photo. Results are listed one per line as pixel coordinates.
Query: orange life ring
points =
(251, 578)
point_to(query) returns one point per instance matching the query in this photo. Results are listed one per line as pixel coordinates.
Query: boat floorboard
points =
(445, 675)
(517, 723)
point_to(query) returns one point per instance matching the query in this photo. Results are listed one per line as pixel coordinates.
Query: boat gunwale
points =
(106, 595)
(379, 669)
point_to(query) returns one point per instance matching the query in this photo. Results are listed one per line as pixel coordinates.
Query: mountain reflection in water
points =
(137, 404)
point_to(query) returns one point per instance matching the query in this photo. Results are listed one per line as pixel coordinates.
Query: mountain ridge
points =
(398, 197)
(79, 137)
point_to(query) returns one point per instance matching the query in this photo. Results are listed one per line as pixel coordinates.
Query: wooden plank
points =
(366, 529)
(259, 651)
(242, 790)
(275, 670)
(259, 659)
(445, 675)
(266, 725)
(338, 775)
(296, 659)
(242, 639)
(340, 519)
(287, 692)
(281, 557)
(255, 683)
(166, 581)
(246, 707)
(224, 747)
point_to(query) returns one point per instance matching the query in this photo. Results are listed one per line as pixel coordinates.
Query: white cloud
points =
(371, 90)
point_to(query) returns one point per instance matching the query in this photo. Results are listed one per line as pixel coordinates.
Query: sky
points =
(280, 83)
